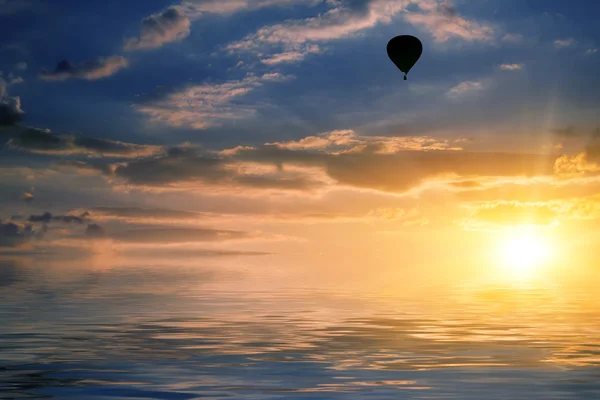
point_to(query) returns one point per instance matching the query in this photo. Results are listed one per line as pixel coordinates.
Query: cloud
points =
(28, 197)
(137, 215)
(13, 235)
(190, 168)
(348, 19)
(143, 214)
(405, 170)
(94, 231)
(338, 22)
(47, 218)
(16, 80)
(21, 66)
(512, 38)
(504, 213)
(331, 159)
(511, 67)
(186, 252)
(580, 164)
(561, 43)
(196, 8)
(203, 106)
(393, 172)
(98, 68)
(174, 23)
(156, 30)
(85, 168)
(342, 141)
(167, 235)
(566, 132)
(444, 23)
(291, 56)
(10, 109)
(465, 88)
(45, 142)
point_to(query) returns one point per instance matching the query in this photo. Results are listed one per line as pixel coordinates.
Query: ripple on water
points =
(86, 341)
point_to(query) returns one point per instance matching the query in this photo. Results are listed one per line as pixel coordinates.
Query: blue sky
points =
(348, 84)
(288, 109)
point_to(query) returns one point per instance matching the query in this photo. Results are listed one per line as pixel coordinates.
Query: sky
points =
(277, 135)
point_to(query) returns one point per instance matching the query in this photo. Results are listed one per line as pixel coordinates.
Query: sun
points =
(524, 250)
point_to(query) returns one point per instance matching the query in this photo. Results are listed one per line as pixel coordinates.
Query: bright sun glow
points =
(524, 251)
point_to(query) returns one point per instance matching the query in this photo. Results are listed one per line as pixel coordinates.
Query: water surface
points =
(146, 332)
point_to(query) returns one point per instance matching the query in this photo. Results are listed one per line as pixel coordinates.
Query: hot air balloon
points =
(404, 51)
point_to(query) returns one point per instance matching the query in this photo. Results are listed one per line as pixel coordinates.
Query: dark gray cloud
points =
(566, 132)
(189, 253)
(48, 217)
(135, 213)
(166, 235)
(182, 165)
(156, 30)
(84, 167)
(95, 231)
(10, 110)
(101, 67)
(395, 172)
(45, 142)
(14, 235)
(178, 235)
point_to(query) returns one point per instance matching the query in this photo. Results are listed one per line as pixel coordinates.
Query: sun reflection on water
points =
(473, 341)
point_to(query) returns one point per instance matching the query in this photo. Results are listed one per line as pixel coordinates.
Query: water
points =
(151, 332)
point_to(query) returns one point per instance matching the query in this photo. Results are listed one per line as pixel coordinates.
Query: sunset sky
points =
(276, 135)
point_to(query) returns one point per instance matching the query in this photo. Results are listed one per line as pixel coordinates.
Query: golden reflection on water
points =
(203, 334)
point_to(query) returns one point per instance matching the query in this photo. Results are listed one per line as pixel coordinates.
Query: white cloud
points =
(560, 43)
(156, 30)
(465, 88)
(443, 22)
(174, 23)
(21, 66)
(197, 8)
(291, 56)
(591, 51)
(98, 68)
(511, 67)
(344, 20)
(512, 38)
(337, 23)
(202, 106)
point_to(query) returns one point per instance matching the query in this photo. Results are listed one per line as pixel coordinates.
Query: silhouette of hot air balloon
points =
(404, 51)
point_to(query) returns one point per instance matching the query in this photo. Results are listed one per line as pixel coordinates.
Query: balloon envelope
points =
(404, 51)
